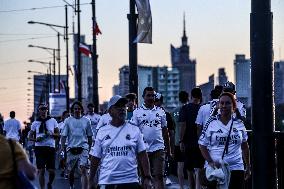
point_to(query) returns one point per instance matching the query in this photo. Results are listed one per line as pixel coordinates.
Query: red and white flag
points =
(84, 49)
(96, 29)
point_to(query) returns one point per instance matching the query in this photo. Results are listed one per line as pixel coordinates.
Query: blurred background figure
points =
(12, 128)
(7, 172)
(131, 105)
(178, 155)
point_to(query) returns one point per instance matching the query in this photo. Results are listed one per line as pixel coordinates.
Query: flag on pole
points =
(144, 31)
(84, 49)
(96, 29)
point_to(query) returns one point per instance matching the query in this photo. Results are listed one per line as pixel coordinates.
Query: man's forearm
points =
(94, 166)
(166, 139)
(144, 162)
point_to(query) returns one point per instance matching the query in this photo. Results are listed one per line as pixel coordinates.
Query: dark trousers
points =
(123, 186)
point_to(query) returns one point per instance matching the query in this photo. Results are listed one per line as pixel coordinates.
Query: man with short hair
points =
(194, 161)
(44, 130)
(131, 104)
(78, 131)
(12, 128)
(207, 110)
(93, 117)
(178, 155)
(152, 122)
(117, 148)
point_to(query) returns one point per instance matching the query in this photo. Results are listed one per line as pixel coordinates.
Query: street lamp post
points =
(79, 70)
(44, 92)
(95, 61)
(52, 26)
(45, 63)
(133, 77)
(263, 141)
(53, 53)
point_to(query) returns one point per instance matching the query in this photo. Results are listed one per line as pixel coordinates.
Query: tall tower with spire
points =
(180, 59)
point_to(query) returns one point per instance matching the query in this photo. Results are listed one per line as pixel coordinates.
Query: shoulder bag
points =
(203, 180)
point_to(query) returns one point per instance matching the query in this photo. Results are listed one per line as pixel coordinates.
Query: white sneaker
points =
(168, 181)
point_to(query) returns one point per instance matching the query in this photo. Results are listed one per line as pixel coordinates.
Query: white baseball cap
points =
(115, 100)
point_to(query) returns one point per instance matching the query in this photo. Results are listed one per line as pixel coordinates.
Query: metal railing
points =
(279, 154)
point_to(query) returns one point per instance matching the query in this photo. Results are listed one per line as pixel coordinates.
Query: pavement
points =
(62, 183)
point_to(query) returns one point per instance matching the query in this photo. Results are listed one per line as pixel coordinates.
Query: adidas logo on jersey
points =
(107, 137)
(220, 131)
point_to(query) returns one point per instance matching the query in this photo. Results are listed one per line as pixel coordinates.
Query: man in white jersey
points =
(12, 127)
(151, 120)
(62, 158)
(93, 117)
(207, 110)
(131, 105)
(79, 134)
(118, 146)
(44, 131)
(240, 111)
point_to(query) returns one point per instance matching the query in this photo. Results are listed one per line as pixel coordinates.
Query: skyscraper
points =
(222, 76)
(206, 89)
(164, 80)
(242, 67)
(180, 58)
(86, 69)
(279, 82)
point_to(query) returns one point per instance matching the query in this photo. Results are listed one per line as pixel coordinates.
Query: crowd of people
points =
(130, 146)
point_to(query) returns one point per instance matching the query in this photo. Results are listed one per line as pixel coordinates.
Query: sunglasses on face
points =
(43, 109)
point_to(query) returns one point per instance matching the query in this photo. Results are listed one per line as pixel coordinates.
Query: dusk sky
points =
(216, 30)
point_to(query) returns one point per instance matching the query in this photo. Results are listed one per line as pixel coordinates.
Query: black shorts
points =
(179, 156)
(45, 157)
(193, 158)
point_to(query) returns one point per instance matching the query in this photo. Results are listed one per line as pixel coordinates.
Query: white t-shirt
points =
(95, 118)
(51, 124)
(61, 126)
(12, 127)
(205, 111)
(118, 153)
(77, 132)
(150, 123)
(104, 120)
(215, 136)
(241, 107)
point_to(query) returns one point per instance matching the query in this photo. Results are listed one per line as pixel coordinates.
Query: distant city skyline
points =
(216, 31)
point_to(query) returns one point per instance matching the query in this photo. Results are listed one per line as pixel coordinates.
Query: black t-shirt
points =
(170, 121)
(188, 114)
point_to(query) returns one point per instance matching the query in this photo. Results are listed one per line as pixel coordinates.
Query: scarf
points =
(42, 127)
